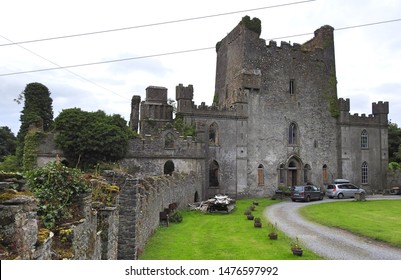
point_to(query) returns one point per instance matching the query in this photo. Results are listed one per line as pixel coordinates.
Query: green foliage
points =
(32, 141)
(332, 98)
(55, 186)
(8, 142)
(10, 164)
(176, 217)
(90, 137)
(252, 24)
(37, 111)
(393, 166)
(216, 99)
(183, 128)
(394, 142)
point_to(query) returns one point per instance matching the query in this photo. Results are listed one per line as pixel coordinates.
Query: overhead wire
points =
(153, 24)
(66, 69)
(177, 52)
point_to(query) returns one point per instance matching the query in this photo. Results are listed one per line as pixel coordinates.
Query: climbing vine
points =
(55, 186)
(31, 144)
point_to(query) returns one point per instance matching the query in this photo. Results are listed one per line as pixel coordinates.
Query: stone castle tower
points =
(276, 121)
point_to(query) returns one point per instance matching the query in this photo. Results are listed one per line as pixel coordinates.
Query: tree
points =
(394, 142)
(37, 111)
(87, 138)
(8, 142)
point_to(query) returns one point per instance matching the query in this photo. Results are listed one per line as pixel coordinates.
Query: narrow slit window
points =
(292, 87)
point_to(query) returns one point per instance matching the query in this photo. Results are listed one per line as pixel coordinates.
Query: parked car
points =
(343, 190)
(306, 193)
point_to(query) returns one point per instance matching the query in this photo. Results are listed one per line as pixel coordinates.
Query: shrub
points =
(55, 185)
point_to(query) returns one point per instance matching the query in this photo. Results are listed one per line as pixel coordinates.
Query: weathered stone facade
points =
(276, 121)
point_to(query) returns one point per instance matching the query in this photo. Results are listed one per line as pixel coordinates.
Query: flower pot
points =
(297, 251)
(258, 225)
(250, 217)
(273, 236)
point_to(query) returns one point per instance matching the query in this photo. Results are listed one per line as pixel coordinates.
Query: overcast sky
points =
(368, 59)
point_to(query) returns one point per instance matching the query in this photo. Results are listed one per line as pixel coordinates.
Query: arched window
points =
(325, 174)
(364, 170)
(364, 139)
(307, 171)
(292, 134)
(169, 167)
(214, 174)
(169, 141)
(261, 175)
(213, 134)
(282, 173)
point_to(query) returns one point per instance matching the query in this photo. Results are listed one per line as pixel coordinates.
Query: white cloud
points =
(367, 58)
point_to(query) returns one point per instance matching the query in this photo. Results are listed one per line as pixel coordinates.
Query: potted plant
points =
(296, 248)
(250, 217)
(257, 223)
(273, 231)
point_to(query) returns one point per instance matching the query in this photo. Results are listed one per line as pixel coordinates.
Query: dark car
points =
(306, 193)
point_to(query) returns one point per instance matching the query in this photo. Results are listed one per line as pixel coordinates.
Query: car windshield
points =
(297, 188)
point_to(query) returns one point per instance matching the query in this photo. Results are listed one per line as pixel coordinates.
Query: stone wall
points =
(141, 201)
(91, 236)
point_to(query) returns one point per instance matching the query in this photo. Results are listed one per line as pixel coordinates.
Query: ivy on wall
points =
(31, 144)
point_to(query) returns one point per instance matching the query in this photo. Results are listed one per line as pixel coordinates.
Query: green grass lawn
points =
(220, 237)
(378, 219)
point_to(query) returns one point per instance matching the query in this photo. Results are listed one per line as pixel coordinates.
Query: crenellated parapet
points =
(379, 114)
(167, 144)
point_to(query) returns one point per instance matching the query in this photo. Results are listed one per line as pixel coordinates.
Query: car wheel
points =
(308, 198)
(340, 196)
(293, 200)
(321, 197)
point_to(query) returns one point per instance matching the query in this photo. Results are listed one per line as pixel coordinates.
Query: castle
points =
(276, 121)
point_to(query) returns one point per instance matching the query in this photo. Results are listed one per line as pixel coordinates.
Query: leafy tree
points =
(8, 142)
(37, 111)
(87, 138)
(394, 142)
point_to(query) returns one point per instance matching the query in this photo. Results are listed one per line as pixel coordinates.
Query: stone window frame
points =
(214, 139)
(364, 139)
(291, 86)
(261, 175)
(307, 173)
(364, 172)
(325, 174)
(293, 134)
(169, 141)
(281, 169)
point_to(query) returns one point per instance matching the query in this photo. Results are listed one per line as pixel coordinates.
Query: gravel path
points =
(330, 243)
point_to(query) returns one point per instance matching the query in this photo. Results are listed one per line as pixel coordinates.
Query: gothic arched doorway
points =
(293, 172)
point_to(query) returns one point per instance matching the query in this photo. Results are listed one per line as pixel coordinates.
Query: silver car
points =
(344, 190)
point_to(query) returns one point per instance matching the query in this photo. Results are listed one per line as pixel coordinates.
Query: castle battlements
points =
(379, 114)
(167, 144)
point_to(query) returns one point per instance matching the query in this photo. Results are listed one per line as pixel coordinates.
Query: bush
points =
(55, 185)
(176, 217)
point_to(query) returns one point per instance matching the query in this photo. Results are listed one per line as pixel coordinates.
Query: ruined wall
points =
(82, 239)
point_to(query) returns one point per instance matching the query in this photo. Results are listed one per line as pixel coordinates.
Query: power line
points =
(177, 52)
(106, 61)
(61, 67)
(152, 24)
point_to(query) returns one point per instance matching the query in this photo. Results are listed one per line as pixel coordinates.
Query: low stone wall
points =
(141, 201)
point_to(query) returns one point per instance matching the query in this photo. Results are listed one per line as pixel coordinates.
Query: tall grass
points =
(377, 219)
(220, 237)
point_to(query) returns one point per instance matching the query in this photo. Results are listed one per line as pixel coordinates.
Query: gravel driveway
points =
(330, 243)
